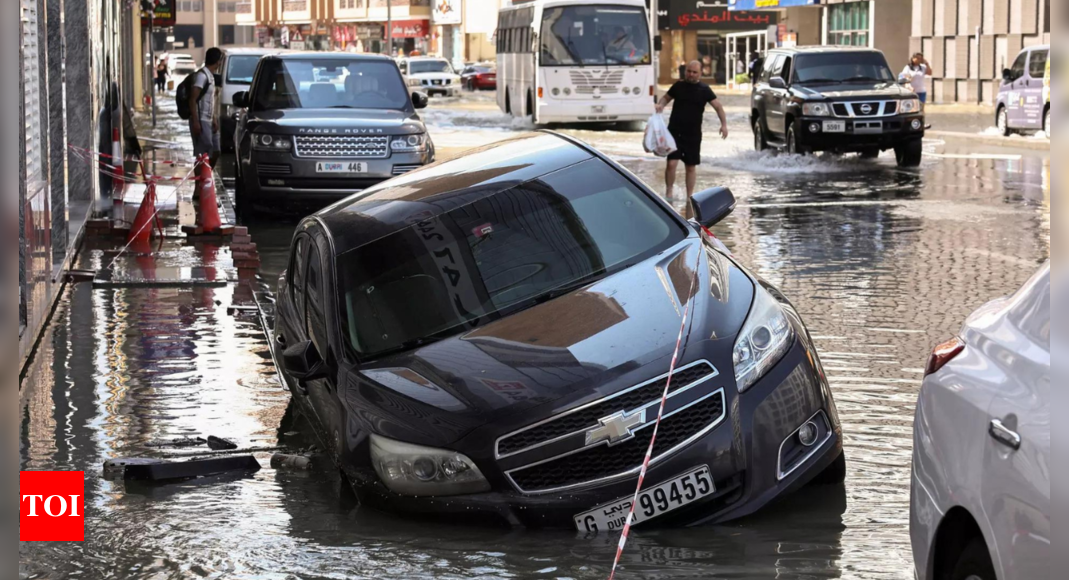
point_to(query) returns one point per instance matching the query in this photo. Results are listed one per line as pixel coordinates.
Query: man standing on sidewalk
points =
(690, 96)
(203, 122)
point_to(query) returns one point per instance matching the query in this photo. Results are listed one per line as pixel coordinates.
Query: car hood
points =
(853, 91)
(578, 348)
(336, 122)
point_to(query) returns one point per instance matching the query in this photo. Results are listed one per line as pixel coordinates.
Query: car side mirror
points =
(241, 100)
(303, 362)
(419, 100)
(1007, 75)
(777, 83)
(711, 206)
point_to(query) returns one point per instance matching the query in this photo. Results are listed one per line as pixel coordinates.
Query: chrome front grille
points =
(606, 83)
(343, 146)
(865, 109)
(273, 169)
(578, 454)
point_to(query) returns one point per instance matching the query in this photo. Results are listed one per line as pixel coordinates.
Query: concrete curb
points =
(1010, 142)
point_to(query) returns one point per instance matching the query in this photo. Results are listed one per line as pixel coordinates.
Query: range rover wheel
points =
(1003, 120)
(910, 154)
(974, 563)
(793, 146)
(870, 153)
(760, 143)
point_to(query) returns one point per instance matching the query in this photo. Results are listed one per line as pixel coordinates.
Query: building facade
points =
(75, 72)
(970, 42)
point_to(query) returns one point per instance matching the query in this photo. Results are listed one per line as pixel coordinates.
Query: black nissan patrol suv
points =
(845, 100)
(318, 127)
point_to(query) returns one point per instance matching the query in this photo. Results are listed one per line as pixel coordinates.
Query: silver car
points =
(980, 507)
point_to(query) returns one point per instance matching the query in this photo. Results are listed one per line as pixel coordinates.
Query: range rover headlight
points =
(816, 110)
(409, 143)
(268, 142)
(909, 106)
(415, 470)
(765, 339)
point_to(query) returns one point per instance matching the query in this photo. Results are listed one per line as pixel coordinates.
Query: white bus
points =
(575, 61)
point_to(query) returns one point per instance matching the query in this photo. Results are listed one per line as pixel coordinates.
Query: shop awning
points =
(768, 4)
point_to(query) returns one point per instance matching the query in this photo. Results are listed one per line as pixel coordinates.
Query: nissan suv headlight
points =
(409, 143)
(765, 339)
(424, 471)
(816, 109)
(266, 142)
(415, 83)
(908, 106)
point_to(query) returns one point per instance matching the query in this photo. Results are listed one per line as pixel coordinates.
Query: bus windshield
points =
(594, 36)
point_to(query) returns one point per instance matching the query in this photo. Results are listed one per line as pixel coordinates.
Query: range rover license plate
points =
(652, 502)
(835, 126)
(341, 167)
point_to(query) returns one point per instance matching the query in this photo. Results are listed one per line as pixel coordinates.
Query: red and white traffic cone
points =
(146, 214)
(208, 220)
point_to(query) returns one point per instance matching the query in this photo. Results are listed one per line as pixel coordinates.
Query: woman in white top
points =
(916, 72)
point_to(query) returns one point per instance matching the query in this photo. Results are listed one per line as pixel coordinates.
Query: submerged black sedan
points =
(489, 338)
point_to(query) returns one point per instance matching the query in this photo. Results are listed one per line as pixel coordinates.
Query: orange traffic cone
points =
(208, 220)
(146, 215)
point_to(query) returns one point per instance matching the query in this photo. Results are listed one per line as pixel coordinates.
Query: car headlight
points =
(267, 142)
(409, 143)
(424, 471)
(765, 339)
(816, 110)
(909, 106)
(415, 83)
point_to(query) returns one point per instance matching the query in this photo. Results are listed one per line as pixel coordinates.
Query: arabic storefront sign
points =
(446, 12)
(411, 28)
(164, 16)
(715, 15)
(769, 4)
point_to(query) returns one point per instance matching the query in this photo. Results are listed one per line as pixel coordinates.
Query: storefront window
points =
(848, 24)
(711, 51)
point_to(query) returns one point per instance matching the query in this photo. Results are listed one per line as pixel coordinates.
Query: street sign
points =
(164, 15)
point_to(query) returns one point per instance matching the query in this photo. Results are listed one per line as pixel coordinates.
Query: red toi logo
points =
(52, 506)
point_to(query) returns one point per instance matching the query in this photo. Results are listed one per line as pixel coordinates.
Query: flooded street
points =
(883, 263)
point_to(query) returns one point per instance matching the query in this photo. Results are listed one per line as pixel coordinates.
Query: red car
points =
(479, 78)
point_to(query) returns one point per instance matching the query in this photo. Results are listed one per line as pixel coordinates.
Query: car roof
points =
(341, 56)
(822, 50)
(442, 187)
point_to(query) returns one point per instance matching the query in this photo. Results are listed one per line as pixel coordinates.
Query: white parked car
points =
(980, 507)
(434, 76)
(182, 64)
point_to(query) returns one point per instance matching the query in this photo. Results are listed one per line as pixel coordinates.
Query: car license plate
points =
(835, 126)
(653, 502)
(597, 109)
(341, 167)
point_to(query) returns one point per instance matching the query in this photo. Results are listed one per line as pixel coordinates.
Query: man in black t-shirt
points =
(685, 125)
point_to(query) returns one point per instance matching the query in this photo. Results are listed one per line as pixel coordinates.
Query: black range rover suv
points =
(845, 100)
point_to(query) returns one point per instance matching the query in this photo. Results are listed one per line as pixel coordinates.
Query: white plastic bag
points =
(657, 139)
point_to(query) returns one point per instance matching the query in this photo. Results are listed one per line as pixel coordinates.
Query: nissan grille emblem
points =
(866, 109)
(616, 428)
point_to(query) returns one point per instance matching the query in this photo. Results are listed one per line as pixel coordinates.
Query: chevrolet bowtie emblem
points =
(616, 428)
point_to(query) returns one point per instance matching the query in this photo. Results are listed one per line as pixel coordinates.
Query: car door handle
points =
(1004, 435)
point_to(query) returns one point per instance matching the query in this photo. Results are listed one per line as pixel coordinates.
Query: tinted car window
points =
(239, 69)
(1017, 70)
(495, 256)
(1037, 64)
(770, 65)
(429, 66)
(842, 67)
(316, 321)
(329, 83)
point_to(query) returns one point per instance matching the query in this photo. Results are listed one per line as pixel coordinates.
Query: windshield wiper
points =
(862, 79)
(569, 288)
(817, 81)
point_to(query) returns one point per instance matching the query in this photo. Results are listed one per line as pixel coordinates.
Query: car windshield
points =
(239, 69)
(510, 251)
(429, 66)
(594, 36)
(329, 83)
(842, 67)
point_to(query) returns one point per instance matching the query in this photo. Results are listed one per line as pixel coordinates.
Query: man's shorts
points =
(688, 149)
(208, 143)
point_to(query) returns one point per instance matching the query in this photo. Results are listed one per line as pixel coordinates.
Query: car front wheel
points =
(760, 142)
(910, 154)
(793, 146)
(974, 563)
(1003, 121)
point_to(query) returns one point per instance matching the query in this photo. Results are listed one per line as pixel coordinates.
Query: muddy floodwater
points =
(883, 264)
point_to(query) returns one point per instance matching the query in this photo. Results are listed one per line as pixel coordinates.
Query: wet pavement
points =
(883, 263)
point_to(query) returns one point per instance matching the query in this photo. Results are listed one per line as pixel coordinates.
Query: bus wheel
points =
(531, 109)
